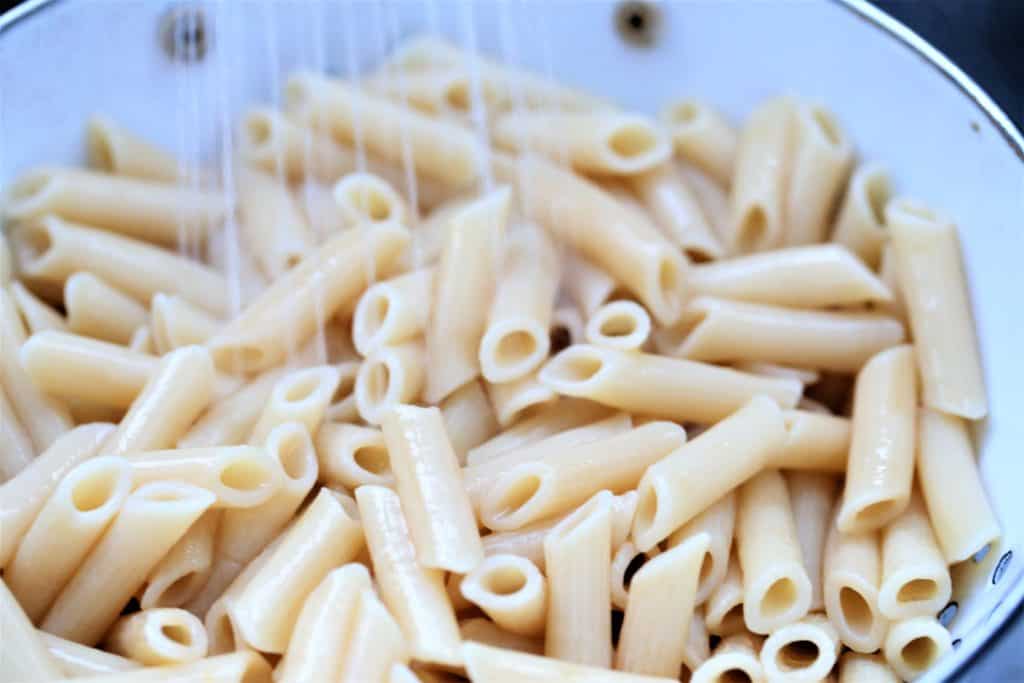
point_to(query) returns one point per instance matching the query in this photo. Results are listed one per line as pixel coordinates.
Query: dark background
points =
(985, 38)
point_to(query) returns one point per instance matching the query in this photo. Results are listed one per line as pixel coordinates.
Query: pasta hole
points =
(258, 130)
(101, 153)
(457, 96)
(291, 260)
(684, 113)
(292, 456)
(298, 95)
(733, 616)
(579, 367)
(798, 655)
(345, 387)
(180, 590)
(752, 228)
(826, 123)
(372, 459)
(779, 597)
(163, 495)
(621, 325)
(378, 381)
(632, 141)
(179, 634)
(706, 566)
(29, 186)
(301, 389)
(856, 610)
(560, 337)
(876, 514)
(638, 561)
(517, 495)
(377, 312)
(222, 633)
(646, 508)
(504, 581)
(877, 193)
(92, 493)
(514, 347)
(244, 475)
(917, 590)
(734, 676)
(34, 240)
(919, 653)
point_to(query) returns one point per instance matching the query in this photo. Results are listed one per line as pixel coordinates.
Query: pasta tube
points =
(861, 222)
(115, 149)
(702, 136)
(95, 309)
(511, 591)
(159, 637)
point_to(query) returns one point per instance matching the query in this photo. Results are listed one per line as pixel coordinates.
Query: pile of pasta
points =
(461, 373)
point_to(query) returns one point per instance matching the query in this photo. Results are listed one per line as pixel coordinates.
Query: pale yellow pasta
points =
(703, 137)
(653, 385)
(95, 309)
(23, 652)
(861, 224)
(606, 142)
(414, 594)
(881, 462)
(142, 340)
(499, 665)
(888, 274)
(668, 199)
(469, 418)
(776, 588)
(814, 276)
(22, 496)
(564, 415)
(760, 171)
(79, 661)
(718, 330)
(587, 285)
(230, 420)
(158, 637)
(862, 668)
(712, 198)
(175, 395)
(65, 530)
(299, 302)
(576, 556)
(822, 156)
(43, 418)
(514, 399)
(804, 651)
(352, 456)
(735, 658)
(804, 375)
(176, 322)
(388, 377)
(697, 648)
(914, 645)
(440, 150)
(463, 288)
(393, 311)
(343, 404)
(915, 579)
(150, 522)
(365, 198)
(453, 586)
(612, 236)
(682, 485)
(151, 211)
(947, 471)
(486, 632)
(723, 612)
(299, 396)
(516, 340)
(50, 250)
(115, 149)
(436, 91)
(37, 315)
(812, 496)
(718, 521)
(322, 537)
(852, 574)
(436, 506)
(563, 479)
(625, 556)
(566, 328)
(16, 449)
(6, 266)
(814, 441)
(316, 201)
(183, 572)
(662, 597)
(931, 276)
(511, 591)
(623, 325)
(237, 667)
(375, 644)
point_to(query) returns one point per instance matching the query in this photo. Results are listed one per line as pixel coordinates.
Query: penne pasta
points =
(271, 224)
(861, 224)
(622, 325)
(159, 637)
(913, 646)
(897, 308)
(511, 591)
(720, 459)
(463, 288)
(915, 579)
(80, 661)
(376, 642)
(736, 657)
(670, 388)
(576, 554)
(485, 632)
(625, 561)
(36, 314)
(469, 418)
(436, 506)
(852, 574)
(718, 521)
(16, 449)
(723, 612)
(588, 286)
(821, 161)
(392, 312)
(500, 665)
(776, 588)
(95, 309)
(703, 137)
(50, 250)
(142, 209)
(343, 404)
(804, 651)
(516, 340)
(413, 593)
(353, 456)
(25, 655)
(183, 572)
(812, 496)
(175, 323)
(67, 527)
(881, 462)
(512, 400)
(237, 667)
(112, 148)
(947, 471)
(678, 213)
(437, 91)
(814, 441)
(712, 199)
(566, 328)
(142, 341)
(389, 377)
(854, 668)
(150, 522)
(230, 420)
(300, 396)
(932, 279)
(365, 198)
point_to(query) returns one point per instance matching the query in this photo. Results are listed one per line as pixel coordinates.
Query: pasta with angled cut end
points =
(185, 569)
(364, 198)
(95, 309)
(469, 418)
(36, 313)
(735, 658)
(159, 637)
(723, 611)
(115, 149)
(388, 377)
(718, 521)
(702, 136)
(393, 312)
(915, 579)
(353, 456)
(852, 574)
(511, 591)
(804, 651)
(512, 400)
(671, 203)
(861, 224)
(175, 323)
(299, 396)
(622, 325)
(812, 496)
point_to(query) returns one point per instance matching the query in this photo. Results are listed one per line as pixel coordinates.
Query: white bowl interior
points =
(66, 61)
